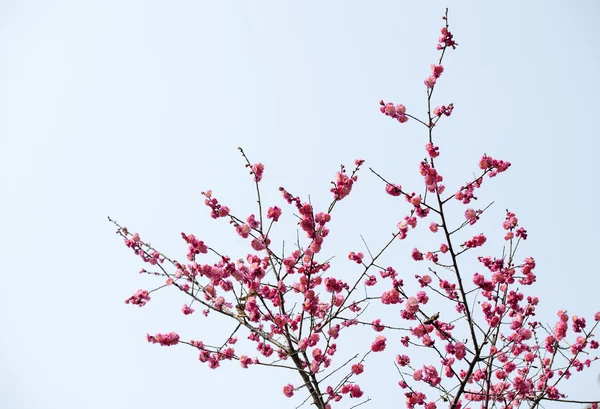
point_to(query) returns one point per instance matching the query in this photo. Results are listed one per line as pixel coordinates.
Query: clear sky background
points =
(132, 108)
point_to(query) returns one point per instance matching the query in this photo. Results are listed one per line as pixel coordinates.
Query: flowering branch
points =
(487, 348)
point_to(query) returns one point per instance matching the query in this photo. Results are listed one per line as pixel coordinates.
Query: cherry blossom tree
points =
(292, 307)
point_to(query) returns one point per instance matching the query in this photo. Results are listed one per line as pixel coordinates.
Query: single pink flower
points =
(436, 70)
(379, 344)
(288, 390)
(257, 171)
(376, 324)
(430, 81)
(187, 310)
(412, 305)
(274, 213)
(393, 190)
(417, 255)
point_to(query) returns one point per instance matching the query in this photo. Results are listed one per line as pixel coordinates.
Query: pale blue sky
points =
(132, 108)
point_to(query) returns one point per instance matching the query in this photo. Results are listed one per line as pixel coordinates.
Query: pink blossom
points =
(342, 185)
(476, 241)
(370, 281)
(377, 326)
(140, 298)
(427, 340)
(195, 246)
(415, 200)
(560, 330)
(197, 344)
(412, 305)
(322, 218)
(494, 166)
(562, 314)
(436, 70)
(402, 360)
(443, 110)
(424, 281)
(388, 272)
(333, 332)
(338, 300)
(460, 350)
(355, 391)
(317, 354)
(393, 190)
(470, 214)
(578, 323)
(187, 310)
(379, 344)
(431, 257)
(274, 213)
(333, 285)
(252, 222)
(446, 40)
(431, 177)
(243, 230)
(390, 297)
(354, 307)
(217, 210)
(432, 151)
(169, 339)
(430, 81)
(411, 221)
(259, 244)
(245, 361)
(356, 257)
(510, 221)
(288, 390)
(257, 171)
(417, 255)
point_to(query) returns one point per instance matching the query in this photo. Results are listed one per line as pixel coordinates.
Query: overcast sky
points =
(132, 108)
